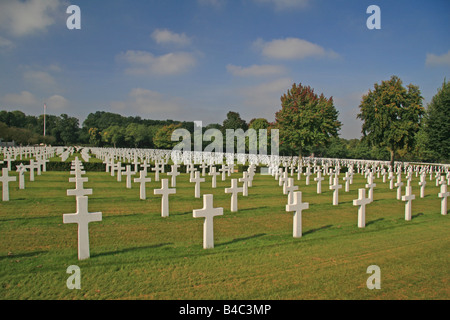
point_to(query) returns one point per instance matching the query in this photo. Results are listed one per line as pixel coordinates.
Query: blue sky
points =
(196, 60)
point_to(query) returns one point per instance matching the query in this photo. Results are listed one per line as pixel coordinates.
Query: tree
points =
(68, 127)
(114, 135)
(234, 121)
(95, 138)
(305, 120)
(437, 123)
(163, 137)
(391, 115)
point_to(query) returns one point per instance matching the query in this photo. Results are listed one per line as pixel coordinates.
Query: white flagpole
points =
(44, 118)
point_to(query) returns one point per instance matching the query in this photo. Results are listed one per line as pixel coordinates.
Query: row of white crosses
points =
(82, 217)
(5, 179)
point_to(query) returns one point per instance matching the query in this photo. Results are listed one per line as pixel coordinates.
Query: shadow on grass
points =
(253, 208)
(22, 255)
(240, 239)
(317, 229)
(131, 249)
(416, 215)
(374, 221)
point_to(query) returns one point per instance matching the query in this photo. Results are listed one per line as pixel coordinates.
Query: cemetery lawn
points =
(137, 254)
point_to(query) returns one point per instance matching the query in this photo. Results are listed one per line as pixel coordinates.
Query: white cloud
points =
(285, 4)
(22, 18)
(145, 63)
(57, 103)
(164, 36)
(150, 104)
(19, 100)
(39, 77)
(433, 60)
(255, 70)
(6, 43)
(292, 48)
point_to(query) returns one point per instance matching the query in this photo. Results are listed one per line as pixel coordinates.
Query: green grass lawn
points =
(137, 254)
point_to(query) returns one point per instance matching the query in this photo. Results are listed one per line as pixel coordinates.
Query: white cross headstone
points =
(422, 184)
(234, 189)
(119, 170)
(79, 188)
(214, 175)
(197, 181)
(308, 174)
(282, 180)
(165, 191)
(5, 179)
(319, 180)
(82, 217)
(128, 173)
(31, 167)
(408, 197)
(208, 212)
(391, 180)
(297, 206)
(335, 187)
(362, 201)
(347, 182)
(245, 178)
(444, 194)
(21, 169)
(173, 173)
(203, 166)
(223, 170)
(399, 185)
(290, 188)
(142, 180)
(370, 185)
(157, 170)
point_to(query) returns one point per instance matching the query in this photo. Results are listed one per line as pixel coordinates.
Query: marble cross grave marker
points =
(142, 180)
(297, 206)
(197, 181)
(174, 173)
(370, 184)
(408, 197)
(362, 201)
(319, 180)
(21, 169)
(128, 173)
(5, 179)
(79, 188)
(444, 194)
(234, 190)
(165, 191)
(422, 184)
(335, 187)
(290, 188)
(82, 217)
(208, 212)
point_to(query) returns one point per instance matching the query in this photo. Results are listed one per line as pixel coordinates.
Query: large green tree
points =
(437, 124)
(391, 115)
(234, 121)
(305, 120)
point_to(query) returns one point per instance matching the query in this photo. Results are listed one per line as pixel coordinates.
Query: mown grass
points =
(137, 254)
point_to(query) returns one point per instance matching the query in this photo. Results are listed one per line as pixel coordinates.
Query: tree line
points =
(396, 126)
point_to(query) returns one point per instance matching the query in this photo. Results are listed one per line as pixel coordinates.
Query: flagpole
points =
(44, 118)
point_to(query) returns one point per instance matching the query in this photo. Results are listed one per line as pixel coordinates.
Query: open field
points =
(137, 254)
